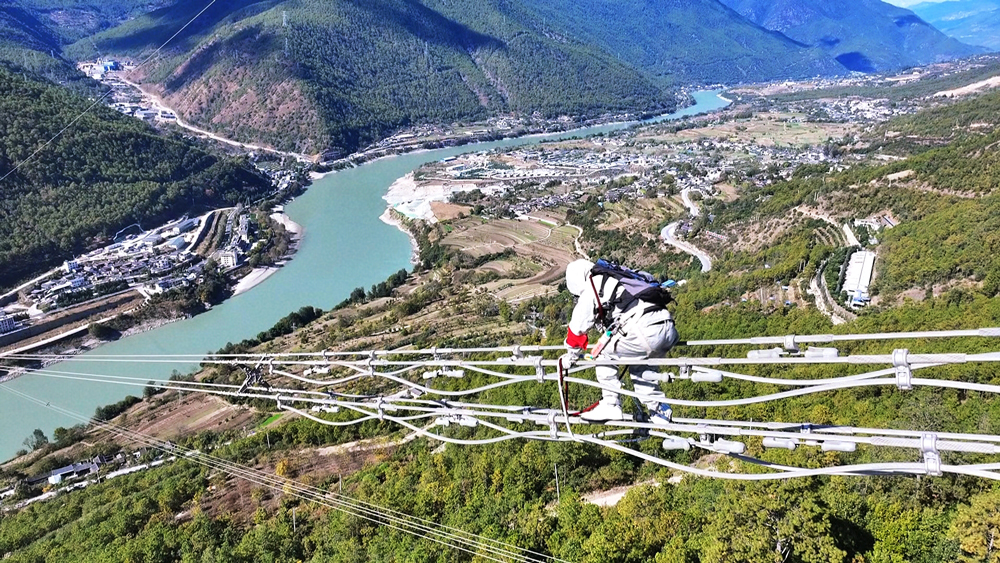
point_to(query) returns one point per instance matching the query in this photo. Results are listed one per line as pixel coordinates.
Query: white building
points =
(7, 323)
(229, 259)
(859, 277)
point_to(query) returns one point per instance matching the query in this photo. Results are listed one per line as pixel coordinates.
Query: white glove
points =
(570, 357)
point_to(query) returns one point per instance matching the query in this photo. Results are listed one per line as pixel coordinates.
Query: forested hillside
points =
(975, 22)
(863, 35)
(105, 172)
(33, 32)
(681, 41)
(343, 74)
(508, 491)
(26, 42)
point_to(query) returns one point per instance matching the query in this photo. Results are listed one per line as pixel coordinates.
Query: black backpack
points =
(632, 286)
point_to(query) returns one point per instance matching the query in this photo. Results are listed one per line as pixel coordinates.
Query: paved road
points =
(160, 105)
(851, 239)
(693, 208)
(669, 236)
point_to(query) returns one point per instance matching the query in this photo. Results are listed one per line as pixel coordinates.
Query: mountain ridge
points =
(863, 35)
(314, 76)
(976, 22)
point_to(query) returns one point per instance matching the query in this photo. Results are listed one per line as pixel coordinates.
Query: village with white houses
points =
(141, 262)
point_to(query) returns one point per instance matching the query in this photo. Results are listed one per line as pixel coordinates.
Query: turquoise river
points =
(344, 246)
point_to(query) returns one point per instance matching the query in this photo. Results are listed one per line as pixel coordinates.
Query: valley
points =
(307, 270)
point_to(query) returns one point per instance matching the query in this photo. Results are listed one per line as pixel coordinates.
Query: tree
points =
(776, 522)
(102, 331)
(37, 440)
(977, 528)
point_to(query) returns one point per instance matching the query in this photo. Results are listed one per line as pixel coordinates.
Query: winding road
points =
(160, 105)
(669, 236)
(693, 208)
(669, 233)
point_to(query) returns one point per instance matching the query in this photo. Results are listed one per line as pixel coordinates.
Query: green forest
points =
(104, 173)
(342, 75)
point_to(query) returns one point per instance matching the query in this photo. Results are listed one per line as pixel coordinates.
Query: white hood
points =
(577, 274)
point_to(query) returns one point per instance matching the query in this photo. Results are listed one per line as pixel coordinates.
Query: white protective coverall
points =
(644, 331)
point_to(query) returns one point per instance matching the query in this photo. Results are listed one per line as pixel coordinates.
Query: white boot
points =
(604, 412)
(662, 415)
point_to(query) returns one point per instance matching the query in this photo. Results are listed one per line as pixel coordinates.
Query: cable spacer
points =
(790, 343)
(434, 353)
(553, 428)
(904, 375)
(516, 352)
(932, 459)
(539, 370)
(270, 366)
(378, 405)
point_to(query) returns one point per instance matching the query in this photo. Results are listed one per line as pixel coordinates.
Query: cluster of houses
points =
(240, 240)
(696, 164)
(856, 110)
(80, 475)
(159, 259)
(124, 97)
(101, 67)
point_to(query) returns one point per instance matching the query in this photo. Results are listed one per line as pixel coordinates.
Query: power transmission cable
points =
(426, 529)
(399, 396)
(472, 414)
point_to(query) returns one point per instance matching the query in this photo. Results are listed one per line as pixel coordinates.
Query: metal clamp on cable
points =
(904, 375)
(539, 370)
(516, 352)
(684, 372)
(552, 425)
(790, 343)
(932, 459)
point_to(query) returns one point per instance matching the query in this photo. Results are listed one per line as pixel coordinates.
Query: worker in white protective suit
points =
(640, 330)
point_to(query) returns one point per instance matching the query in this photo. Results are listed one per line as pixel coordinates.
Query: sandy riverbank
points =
(389, 218)
(406, 190)
(258, 275)
(290, 226)
(253, 279)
